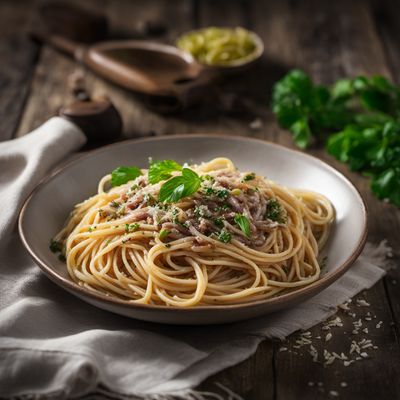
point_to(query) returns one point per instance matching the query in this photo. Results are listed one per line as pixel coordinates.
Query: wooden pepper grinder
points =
(99, 120)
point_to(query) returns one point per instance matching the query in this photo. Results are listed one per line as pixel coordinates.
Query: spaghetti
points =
(226, 237)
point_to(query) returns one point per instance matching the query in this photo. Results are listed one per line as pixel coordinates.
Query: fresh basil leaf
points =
(123, 175)
(180, 186)
(172, 190)
(161, 170)
(192, 181)
(243, 223)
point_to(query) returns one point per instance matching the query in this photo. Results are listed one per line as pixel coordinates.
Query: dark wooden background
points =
(329, 39)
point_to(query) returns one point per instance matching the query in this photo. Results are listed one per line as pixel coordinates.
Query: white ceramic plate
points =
(46, 210)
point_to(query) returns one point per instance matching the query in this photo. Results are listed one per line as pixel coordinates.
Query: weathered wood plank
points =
(18, 55)
(366, 378)
(137, 117)
(386, 15)
(253, 379)
(339, 40)
(227, 13)
(50, 88)
(50, 85)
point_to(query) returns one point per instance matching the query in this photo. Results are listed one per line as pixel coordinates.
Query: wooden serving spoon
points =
(155, 69)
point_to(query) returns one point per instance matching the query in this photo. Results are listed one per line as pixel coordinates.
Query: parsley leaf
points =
(224, 236)
(132, 227)
(179, 186)
(306, 109)
(244, 224)
(161, 170)
(249, 177)
(274, 211)
(219, 222)
(123, 175)
(387, 185)
(55, 246)
(360, 118)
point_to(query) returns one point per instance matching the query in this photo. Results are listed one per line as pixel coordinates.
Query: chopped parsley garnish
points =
(249, 177)
(115, 204)
(123, 175)
(275, 211)
(180, 186)
(131, 227)
(198, 212)
(162, 207)
(223, 193)
(161, 170)
(55, 246)
(219, 222)
(175, 213)
(223, 207)
(163, 233)
(121, 210)
(61, 257)
(224, 236)
(209, 191)
(92, 228)
(243, 223)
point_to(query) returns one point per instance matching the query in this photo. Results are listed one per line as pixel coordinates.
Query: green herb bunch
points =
(359, 119)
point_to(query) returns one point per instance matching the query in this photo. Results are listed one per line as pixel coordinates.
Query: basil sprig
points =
(123, 175)
(180, 186)
(161, 170)
(243, 223)
(173, 189)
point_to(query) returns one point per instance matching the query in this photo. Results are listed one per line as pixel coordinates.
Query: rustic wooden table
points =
(329, 40)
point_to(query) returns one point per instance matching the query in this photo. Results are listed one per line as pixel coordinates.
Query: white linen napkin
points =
(53, 345)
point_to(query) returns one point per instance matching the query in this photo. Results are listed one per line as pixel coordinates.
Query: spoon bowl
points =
(147, 67)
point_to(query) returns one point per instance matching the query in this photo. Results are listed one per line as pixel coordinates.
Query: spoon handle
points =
(61, 43)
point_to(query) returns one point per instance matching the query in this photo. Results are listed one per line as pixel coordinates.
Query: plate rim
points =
(315, 287)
